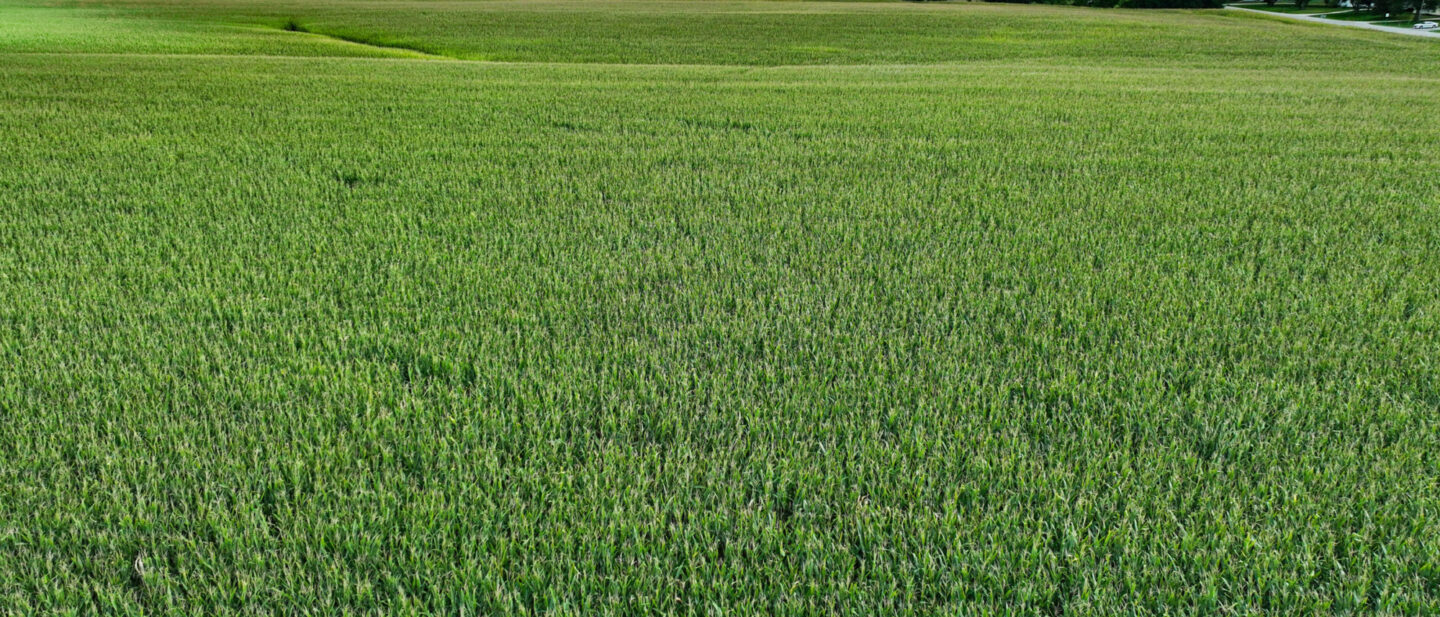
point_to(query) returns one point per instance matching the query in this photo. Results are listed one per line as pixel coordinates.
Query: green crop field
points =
(535, 307)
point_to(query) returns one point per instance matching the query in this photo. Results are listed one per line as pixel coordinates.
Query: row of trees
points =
(1418, 7)
(1397, 6)
(1131, 4)
(1387, 7)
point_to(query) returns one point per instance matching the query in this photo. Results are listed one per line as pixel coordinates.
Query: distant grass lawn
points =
(714, 308)
(1356, 16)
(1292, 9)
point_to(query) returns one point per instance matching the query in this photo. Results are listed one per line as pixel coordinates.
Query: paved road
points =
(1429, 34)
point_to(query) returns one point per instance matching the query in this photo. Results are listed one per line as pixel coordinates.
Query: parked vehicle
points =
(1426, 25)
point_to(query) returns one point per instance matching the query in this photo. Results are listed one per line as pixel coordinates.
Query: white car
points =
(1426, 25)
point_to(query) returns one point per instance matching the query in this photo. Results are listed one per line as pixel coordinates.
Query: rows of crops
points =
(283, 333)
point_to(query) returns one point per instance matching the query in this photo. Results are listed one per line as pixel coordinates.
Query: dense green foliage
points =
(1057, 333)
(1396, 11)
(1389, 7)
(1129, 4)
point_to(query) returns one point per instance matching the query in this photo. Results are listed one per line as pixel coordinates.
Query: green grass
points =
(38, 28)
(1357, 16)
(765, 33)
(1066, 331)
(1311, 9)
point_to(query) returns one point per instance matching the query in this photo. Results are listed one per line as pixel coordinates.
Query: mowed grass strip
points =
(339, 336)
(36, 27)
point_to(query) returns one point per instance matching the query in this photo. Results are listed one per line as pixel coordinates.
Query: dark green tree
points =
(1419, 7)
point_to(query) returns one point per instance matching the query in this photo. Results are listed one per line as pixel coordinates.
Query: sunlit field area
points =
(537, 307)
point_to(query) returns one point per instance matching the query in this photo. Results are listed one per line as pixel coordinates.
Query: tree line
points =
(1386, 7)
(1129, 4)
(1417, 7)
